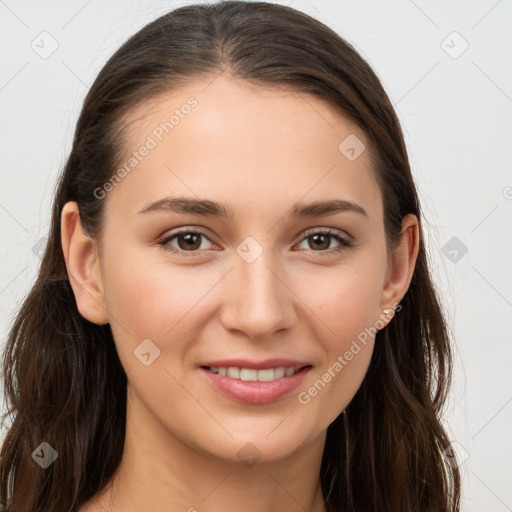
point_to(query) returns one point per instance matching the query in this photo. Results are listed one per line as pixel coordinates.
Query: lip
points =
(256, 393)
(258, 365)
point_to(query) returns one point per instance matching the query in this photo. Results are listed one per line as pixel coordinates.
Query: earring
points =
(387, 311)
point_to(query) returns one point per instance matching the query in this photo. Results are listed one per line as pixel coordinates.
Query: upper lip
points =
(257, 365)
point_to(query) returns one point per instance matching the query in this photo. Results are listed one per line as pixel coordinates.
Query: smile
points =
(252, 375)
(255, 386)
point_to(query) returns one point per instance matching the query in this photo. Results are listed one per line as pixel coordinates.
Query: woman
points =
(234, 309)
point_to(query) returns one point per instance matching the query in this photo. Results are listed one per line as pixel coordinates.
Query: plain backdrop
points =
(447, 69)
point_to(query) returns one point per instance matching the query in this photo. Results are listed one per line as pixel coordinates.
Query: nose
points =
(259, 303)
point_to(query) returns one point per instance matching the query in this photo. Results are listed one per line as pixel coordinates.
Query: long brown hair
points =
(63, 380)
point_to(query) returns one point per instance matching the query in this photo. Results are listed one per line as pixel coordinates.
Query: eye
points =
(323, 239)
(188, 241)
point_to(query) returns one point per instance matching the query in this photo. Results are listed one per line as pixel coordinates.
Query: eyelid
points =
(328, 231)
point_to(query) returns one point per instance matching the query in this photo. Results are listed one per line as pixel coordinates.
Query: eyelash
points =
(344, 242)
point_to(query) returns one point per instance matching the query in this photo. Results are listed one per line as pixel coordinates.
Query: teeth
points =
(251, 375)
(265, 375)
(279, 372)
(233, 372)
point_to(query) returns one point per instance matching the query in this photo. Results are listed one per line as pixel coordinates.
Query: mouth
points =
(256, 383)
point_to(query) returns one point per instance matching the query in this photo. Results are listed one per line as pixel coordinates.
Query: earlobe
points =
(403, 262)
(82, 264)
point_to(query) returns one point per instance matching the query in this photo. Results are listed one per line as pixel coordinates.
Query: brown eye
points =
(188, 242)
(320, 241)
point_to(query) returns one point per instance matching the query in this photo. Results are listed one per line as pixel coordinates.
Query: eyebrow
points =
(207, 207)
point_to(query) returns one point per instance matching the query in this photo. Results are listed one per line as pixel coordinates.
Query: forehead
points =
(242, 142)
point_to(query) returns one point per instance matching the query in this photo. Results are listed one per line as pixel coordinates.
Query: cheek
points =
(345, 299)
(152, 311)
(150, 298)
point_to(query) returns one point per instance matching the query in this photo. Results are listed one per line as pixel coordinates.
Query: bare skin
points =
(258, 151)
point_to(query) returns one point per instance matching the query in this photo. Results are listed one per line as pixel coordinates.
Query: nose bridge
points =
(261, 301)
(257, 277)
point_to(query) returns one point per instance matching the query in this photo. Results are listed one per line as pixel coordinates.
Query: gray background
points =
(455, 106)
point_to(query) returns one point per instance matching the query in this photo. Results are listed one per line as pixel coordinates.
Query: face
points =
(271, 284)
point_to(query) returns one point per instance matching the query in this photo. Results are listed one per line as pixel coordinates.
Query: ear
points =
(82, 263)
(401, 267)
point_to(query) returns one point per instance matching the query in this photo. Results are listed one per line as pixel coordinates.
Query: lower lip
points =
(256, 393)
